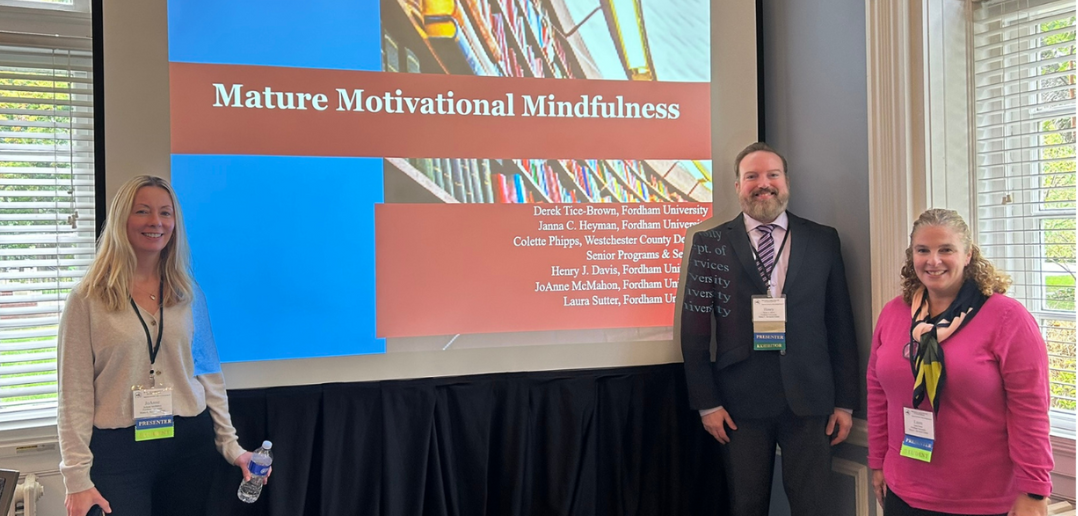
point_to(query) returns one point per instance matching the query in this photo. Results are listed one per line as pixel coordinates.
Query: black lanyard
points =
(160, 325)
(760, 264)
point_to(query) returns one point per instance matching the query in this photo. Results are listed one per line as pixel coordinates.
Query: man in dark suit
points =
(787, 374)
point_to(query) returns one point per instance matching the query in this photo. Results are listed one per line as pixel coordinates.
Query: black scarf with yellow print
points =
(929, 373)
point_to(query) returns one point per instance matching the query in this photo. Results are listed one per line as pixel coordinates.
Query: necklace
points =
(153, 296)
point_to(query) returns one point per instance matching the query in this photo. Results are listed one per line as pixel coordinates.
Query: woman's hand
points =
(879, 485)
(1026, 506)
(78, 504)
(243, 461)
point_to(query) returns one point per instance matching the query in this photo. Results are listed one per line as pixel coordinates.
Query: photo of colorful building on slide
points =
(630, 40)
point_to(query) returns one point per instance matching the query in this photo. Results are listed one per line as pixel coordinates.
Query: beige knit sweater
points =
(102, 354)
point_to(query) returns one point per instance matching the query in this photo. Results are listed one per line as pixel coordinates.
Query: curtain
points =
(596, 442)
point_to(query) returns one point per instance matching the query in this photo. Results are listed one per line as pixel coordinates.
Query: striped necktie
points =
(766, 252)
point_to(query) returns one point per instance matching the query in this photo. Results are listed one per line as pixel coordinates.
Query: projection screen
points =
(405, 188)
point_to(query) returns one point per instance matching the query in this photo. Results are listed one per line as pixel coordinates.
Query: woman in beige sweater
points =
(142, 399)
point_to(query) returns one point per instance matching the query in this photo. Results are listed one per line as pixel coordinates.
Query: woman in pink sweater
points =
(957, 386)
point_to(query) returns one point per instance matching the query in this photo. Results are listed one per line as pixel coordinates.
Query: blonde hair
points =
(980, 270)
(112, 270)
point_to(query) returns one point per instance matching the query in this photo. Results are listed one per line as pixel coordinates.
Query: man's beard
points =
(765, 210)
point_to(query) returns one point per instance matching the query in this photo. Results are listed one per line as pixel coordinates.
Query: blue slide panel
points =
(278, 286)
(310, 34)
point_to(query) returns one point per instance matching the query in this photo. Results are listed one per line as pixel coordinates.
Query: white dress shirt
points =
(782, 223)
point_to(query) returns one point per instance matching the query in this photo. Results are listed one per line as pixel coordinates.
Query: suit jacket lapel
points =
(798, 249)
(739, 240)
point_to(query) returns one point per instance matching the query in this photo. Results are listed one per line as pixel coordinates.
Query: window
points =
(57, 5)
(1024, 120)
(46, 213)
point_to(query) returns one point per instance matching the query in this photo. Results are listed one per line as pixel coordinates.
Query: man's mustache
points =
(771, 191)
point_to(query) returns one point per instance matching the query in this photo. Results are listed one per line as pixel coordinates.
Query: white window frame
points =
(79, 6)
(44, 25)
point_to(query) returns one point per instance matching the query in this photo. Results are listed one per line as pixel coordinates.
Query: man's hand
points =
(714, 421)
(78, 504)
(1026, 506)
(845, 423)
(879, 485)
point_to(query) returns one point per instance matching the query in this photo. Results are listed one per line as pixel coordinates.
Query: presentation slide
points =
(377, 176)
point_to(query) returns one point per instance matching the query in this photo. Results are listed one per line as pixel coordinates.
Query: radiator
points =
(26, 496)
(1061, 508)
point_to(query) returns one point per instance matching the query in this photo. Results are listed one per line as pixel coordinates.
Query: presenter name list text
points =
(615, 274)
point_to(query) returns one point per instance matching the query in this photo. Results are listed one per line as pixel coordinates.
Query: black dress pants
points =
(895, 506)
(162, 477)
(749, 461)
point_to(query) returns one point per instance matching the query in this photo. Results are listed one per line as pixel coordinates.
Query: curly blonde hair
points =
(980, 270)
(113, 268)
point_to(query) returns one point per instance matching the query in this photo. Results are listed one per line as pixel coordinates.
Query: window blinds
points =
(46, 215)
(1024, 115)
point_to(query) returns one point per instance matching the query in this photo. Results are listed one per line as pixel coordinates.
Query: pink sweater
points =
(992, 427)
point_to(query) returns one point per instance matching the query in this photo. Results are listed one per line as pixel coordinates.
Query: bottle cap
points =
(267, 445)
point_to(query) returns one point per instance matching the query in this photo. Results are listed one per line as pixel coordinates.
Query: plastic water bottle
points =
(259, 467)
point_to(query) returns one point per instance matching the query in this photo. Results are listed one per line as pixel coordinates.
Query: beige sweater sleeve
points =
(75, 410)
(217, 401)
(213, 382)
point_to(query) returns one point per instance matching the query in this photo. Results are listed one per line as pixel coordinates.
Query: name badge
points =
(153, 414)
(769, 323)
(920, 430)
